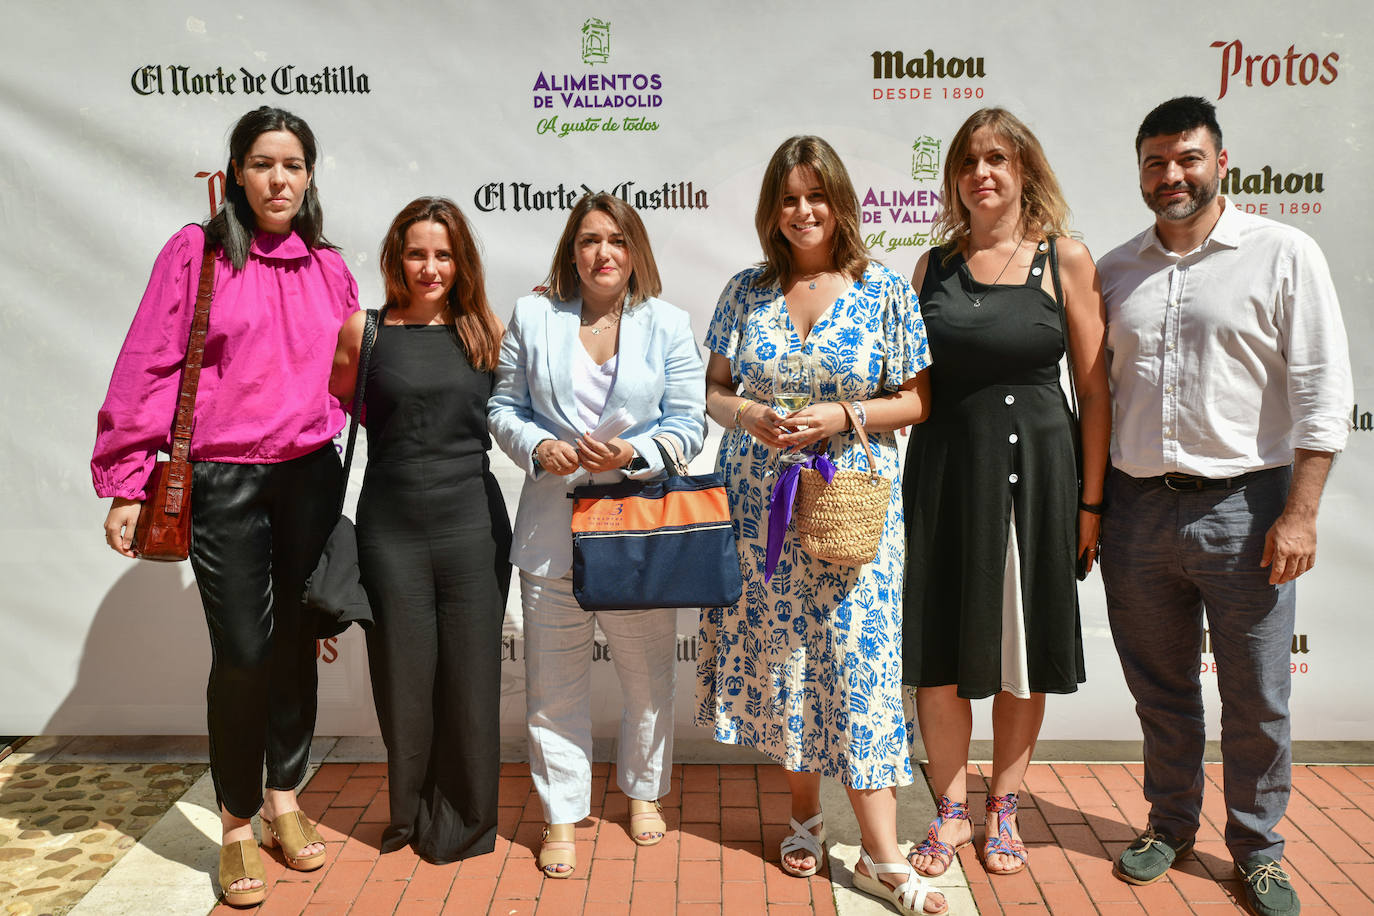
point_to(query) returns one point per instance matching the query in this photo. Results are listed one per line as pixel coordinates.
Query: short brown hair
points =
(1043, 209)
(847, 244)
(563, 280)
(466, 310)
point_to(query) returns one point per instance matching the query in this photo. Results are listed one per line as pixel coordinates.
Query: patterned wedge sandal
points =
(1004, 806)
(937, 849)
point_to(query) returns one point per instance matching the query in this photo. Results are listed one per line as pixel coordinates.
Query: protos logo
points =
(1293, 68)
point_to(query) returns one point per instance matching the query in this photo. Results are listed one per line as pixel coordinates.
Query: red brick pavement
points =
(725, 824)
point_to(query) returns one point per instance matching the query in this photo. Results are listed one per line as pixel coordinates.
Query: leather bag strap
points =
(359, 392)
(859, 431)
(674, 465)
(178, 479)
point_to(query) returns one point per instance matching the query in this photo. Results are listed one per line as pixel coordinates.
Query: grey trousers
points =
(1168, 559)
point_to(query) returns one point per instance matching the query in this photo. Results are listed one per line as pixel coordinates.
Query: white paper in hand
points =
(612, 425)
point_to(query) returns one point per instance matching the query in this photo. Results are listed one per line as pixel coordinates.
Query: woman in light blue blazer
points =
(596, 347)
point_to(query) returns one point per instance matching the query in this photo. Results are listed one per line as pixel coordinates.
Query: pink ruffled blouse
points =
(264, 389)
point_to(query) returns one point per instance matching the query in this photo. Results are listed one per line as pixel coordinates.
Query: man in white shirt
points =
(1231, 389)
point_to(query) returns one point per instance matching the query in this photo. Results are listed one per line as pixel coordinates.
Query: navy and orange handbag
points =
(663, 543)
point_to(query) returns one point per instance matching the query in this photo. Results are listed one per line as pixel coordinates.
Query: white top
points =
(591, 385)
(659, 381)
(1224, 359)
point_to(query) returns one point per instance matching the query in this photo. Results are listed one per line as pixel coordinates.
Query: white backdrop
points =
(115, 123)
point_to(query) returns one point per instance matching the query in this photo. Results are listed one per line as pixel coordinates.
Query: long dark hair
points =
(847, 244)
(233, 226)
(466, 309)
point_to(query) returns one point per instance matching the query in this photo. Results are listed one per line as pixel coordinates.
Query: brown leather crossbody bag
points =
(163, 531)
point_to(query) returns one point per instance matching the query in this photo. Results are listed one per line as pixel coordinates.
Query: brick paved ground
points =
(722, 858)
(709, 863)
(1076, 818)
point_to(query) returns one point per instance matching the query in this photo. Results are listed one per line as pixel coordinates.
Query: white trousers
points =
(558, 660)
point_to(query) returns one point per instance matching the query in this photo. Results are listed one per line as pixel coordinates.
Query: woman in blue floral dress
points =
(807, 666)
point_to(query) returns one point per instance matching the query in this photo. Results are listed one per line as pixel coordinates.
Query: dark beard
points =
(1199, 196)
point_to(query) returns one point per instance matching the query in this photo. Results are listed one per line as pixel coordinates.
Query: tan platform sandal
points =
(238, 861)
(558, 849)
(646, 817)
(292, 831)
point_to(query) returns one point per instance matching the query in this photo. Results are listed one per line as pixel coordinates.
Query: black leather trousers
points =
(257, 531)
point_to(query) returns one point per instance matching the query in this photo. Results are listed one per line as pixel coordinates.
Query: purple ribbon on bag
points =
(780, 503)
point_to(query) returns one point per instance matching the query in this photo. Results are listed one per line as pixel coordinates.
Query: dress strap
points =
(1036, 276)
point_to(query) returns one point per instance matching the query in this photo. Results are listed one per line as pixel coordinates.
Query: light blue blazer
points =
(659, 380)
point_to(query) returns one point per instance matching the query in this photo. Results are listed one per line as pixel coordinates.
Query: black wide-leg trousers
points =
(257, 531)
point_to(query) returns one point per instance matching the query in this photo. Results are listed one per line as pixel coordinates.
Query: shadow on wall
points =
(146, 654)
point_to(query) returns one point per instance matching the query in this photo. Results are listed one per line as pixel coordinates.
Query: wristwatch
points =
(638, 463)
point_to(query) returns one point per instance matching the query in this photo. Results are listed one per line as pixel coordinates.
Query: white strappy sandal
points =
(803, 840)
(909, 897)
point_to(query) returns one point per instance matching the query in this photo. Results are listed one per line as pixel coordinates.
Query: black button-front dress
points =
(997, 449)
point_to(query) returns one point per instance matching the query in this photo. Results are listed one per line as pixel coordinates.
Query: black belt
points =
(1188, 483)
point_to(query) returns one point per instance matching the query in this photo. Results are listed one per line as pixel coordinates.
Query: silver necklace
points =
(814, 278)
(596, 331)
(978, 300)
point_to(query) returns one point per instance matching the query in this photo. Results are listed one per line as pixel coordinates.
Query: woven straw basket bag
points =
(842, 521)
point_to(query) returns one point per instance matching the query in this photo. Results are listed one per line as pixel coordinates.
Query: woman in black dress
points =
(433, 535)
(994, 510)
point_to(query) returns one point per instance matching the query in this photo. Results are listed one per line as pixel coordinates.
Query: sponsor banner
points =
(598, 97)
(115, 137)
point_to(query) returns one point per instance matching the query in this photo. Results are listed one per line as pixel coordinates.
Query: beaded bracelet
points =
(1094, 508)
(739, 411)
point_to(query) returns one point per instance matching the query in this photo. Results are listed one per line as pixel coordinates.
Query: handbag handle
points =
(673, 462)
(359, 391)
(863, 437)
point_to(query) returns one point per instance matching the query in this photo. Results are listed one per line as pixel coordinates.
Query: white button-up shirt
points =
(1226, 358)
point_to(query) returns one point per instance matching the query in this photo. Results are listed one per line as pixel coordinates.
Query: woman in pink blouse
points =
(265, 474)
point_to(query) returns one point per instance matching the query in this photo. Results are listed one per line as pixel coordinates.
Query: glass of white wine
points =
(792, 390)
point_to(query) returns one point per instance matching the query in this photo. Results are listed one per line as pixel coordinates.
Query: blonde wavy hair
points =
(1044, 212)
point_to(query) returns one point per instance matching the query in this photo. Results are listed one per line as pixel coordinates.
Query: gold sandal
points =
(292, 831)
(558, 849)
(651, 813)
(238, 861)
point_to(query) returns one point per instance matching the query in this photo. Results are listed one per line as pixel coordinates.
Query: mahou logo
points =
(1293, 68)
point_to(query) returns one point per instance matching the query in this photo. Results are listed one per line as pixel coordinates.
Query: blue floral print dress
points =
(807, 667)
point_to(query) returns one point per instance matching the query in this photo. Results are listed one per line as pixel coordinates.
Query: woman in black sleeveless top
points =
(433, 535)
(995, 517)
